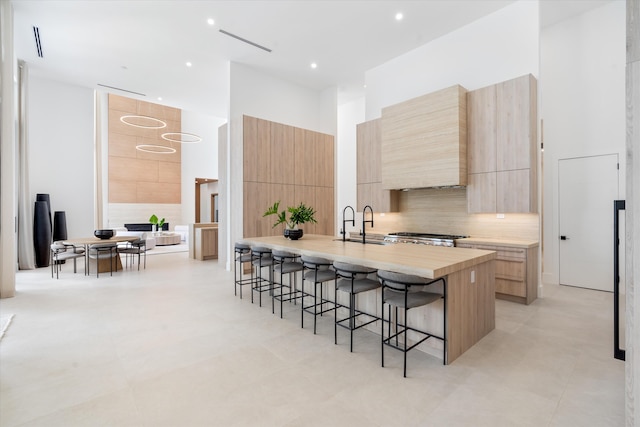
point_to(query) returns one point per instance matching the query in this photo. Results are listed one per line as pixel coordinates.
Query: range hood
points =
(424, 141)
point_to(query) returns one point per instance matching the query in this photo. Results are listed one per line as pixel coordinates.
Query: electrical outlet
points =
(500, 216)
(473, 276)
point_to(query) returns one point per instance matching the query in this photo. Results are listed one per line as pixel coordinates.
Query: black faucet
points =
(344, 221)
(364, 221)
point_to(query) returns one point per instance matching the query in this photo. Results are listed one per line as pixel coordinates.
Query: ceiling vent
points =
(122, 90)
(244, 40)
(36, 35)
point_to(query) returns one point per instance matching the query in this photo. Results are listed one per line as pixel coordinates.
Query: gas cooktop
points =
(426, 235)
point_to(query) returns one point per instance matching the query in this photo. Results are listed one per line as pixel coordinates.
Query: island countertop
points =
(421, 260)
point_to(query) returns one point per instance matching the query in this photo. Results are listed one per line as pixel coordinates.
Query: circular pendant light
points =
(144, 122)
(156, 149)
(182, 137)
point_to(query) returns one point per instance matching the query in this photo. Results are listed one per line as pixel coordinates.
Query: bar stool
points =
(353, 280)
(102, 251)
(285, 263)
(397, 292)
(317, 270)
(242, 256)
(261, 258)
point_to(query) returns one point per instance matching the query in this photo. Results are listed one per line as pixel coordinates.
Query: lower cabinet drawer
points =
(511, 269)
(511, 287)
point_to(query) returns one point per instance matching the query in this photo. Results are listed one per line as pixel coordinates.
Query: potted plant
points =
(297, 215)
(156, 223)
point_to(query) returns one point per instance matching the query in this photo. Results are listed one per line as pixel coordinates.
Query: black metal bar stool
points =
(242, 256)
(318, 271)
(397, 292)
(261, 258)
(353, 280)
(285, 263)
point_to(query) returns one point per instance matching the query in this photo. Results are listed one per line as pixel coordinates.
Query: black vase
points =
(42, 233)
(294, 234)
(59, 226)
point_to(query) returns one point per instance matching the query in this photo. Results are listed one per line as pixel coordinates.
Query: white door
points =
(587, 188)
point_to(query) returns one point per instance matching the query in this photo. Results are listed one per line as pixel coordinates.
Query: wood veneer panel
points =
(134, 170)
(282, 154)
(122, 103)
(513, 131)
(424, 141)
(481, 130)
(151, 192)
(481, 192)
(122, 145)
(325, 161)
(513, 191)
(325, 207)
(257, 149)
(169, 172)
(123, 191)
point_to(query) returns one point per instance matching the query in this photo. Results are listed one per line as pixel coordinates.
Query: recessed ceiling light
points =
(314, 65)
(210, 21)
(159, 98)
(399, 16)
(189, 64)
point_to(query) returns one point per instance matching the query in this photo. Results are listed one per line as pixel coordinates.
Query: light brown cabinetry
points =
(288, 164)
(516, 270)
(502, 147)
(424, 141)
(369, 170)
(206, 243)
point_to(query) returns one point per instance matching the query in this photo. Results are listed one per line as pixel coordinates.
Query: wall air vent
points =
(244, 40)
(36, 35)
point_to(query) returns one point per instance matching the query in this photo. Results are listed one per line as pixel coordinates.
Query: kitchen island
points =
(469, 279)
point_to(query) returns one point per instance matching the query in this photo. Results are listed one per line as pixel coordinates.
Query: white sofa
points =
(146, 235)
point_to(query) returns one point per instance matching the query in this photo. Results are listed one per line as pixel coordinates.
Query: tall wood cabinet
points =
(289, 164)
(502, 147)
(369, 170)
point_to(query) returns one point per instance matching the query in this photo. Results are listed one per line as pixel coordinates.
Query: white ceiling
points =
(142, 46)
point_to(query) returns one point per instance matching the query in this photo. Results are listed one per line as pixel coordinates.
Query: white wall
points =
(198, 161)
(496, 48)
(582, 99)
(349, 115)
(61, 150)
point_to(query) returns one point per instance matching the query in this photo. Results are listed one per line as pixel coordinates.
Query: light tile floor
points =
(172, 346)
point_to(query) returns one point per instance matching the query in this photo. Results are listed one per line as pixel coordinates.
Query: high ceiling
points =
(143, 46)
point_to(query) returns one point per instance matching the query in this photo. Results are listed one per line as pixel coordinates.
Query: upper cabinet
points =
(369, 170)
(502, 147)
(424, 141)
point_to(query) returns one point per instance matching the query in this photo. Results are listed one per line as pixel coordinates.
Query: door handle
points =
(564, 238)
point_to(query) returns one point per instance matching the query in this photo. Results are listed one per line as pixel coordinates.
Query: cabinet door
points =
(282, 146)
(364, 195)
(481, 130)
(513, 191)
(514, 115)
(257, 149)
(481, 193)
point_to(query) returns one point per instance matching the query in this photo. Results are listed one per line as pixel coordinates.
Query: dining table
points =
(87, 242)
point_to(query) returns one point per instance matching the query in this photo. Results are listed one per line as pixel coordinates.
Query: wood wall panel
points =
(123, 192)
(282, 154)
(290, 165)
(152, 192)
(168, 172)
(481, 130)
(136, 176)
(427, 133)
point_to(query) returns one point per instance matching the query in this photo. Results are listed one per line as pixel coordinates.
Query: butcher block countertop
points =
(421, 260)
